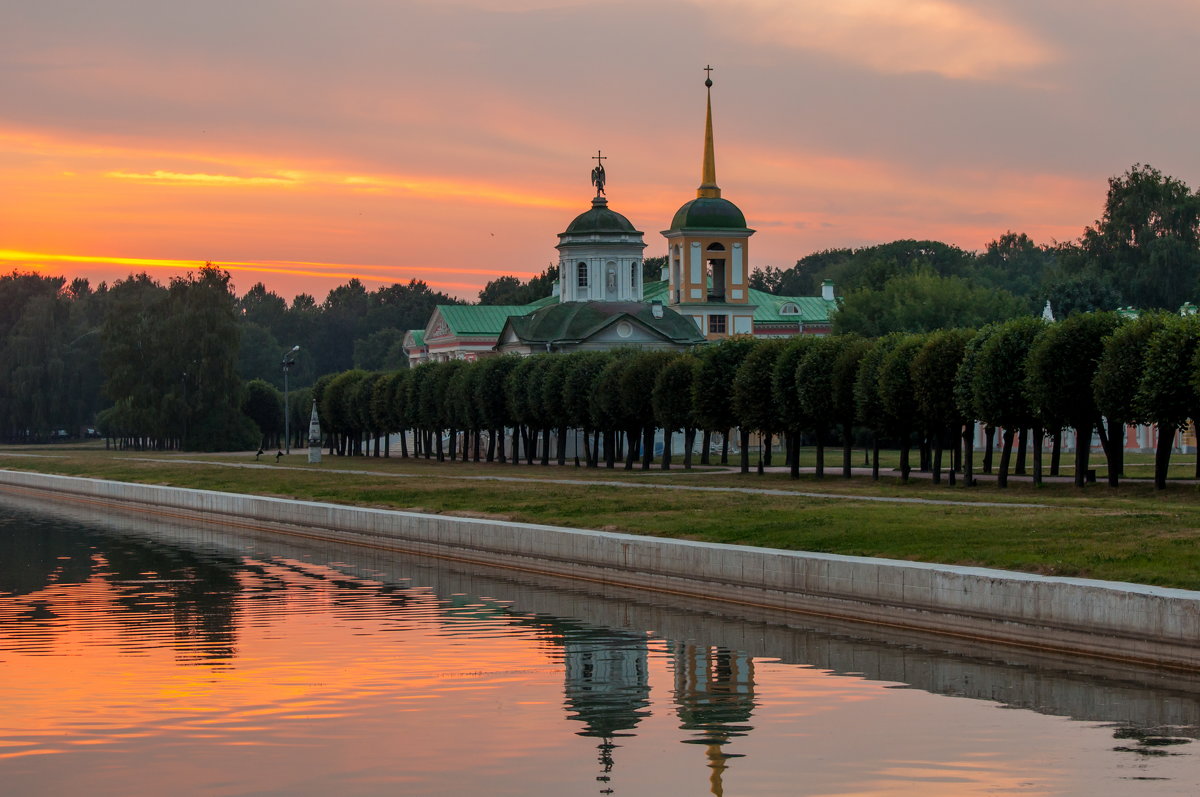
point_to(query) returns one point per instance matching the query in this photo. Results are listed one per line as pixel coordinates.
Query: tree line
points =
(1022, 379)
(1144, 252)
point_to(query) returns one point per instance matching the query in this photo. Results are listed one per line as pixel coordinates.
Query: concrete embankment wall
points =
(1113, 620)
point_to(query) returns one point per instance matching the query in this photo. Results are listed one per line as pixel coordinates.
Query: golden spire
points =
(708, 177)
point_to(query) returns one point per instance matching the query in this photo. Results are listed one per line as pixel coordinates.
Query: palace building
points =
(601, 301)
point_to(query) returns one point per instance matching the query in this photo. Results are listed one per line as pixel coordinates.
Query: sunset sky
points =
(302, 142)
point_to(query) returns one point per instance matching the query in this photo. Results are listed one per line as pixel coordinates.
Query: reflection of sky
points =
(304, 142)
(137, 662)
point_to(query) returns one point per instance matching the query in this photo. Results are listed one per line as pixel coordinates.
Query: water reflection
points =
(361, 672)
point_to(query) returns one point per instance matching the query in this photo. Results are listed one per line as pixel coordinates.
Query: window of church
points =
(789, 308)
(716, 325)
(633, 272)
(582, 272)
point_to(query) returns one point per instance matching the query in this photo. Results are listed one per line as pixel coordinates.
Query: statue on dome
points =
(598, 173)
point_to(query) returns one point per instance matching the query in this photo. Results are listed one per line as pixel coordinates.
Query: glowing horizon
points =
(460, 135)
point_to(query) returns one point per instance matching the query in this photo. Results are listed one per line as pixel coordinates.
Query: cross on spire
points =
(598, 176)
(708, 75)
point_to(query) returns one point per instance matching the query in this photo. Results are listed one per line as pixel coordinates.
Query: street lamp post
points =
(289, 359)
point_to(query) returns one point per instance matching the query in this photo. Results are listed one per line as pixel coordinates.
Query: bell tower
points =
(707, 252)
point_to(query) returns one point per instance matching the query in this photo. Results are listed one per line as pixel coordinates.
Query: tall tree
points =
(1165, 395)
(1148, 239)
(1059, 373)
(999, 382)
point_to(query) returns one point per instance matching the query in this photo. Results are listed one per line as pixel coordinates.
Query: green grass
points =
(1133, 533)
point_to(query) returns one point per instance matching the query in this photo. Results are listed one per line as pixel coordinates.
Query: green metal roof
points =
(418, 336)
(709, 213)
(599, 219)
(571, 322)
(478, 319)
(812, 309)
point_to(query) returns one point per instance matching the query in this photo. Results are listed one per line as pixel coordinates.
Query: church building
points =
(600, 301)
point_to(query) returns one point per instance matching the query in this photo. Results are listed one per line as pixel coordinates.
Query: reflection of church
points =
(714, 697)
(607, 689)
(601, 301)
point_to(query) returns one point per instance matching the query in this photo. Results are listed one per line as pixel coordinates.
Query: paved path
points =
(606, 483)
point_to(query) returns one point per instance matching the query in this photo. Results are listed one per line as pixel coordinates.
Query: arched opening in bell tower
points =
(716, 272)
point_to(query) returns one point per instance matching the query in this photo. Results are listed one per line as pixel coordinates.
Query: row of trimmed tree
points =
(1024, 380)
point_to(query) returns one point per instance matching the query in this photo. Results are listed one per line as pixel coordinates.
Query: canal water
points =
(144, 656)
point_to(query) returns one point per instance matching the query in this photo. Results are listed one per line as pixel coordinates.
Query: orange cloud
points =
(341, 271)
(944, 37)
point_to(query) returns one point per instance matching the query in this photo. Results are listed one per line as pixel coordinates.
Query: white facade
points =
(600, 258)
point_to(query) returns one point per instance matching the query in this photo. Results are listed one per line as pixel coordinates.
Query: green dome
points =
(599, 219)
(709, 213)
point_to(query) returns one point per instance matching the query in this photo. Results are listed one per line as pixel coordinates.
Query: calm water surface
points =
(141, 657)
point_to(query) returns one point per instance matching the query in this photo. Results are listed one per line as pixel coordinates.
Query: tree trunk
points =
(610, 449)
(744, 439)
(937, 459)
(545, 446)
(1056, 453)
(949, 435)
(847, 449)
(1116, 454)
(905, 446)
(631, 437)
(1005, 458)
(689, 440)
(648, 447)
(561, 453)
(725, 448)
(770, 445)
(820, 471)
(666, 458)
(793, 454)
(1038, 434)
(874, 457)
(764, 451)
(1162, 456)
(1022, 447)
(1083, 447)
(705, 444)
(989, 434)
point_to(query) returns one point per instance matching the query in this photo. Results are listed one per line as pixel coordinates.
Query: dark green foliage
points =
(868, 402)
(783, 384)
(263, 404)
(923, 301)
(1062, 366)
(490, 401)
(671, 396)
(1120, 368)
(998, 381)
(580, 385)
(171, 360)
(1148, 240)
(897, 394)
(934, 373)
(1165, 396)
(712, 394)
(510, 290)
(753, 405)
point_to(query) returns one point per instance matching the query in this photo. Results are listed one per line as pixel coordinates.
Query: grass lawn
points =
(1130, 534)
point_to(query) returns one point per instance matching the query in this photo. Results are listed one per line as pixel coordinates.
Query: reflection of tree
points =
(192, 594)
(714, 696)
(34, 555)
